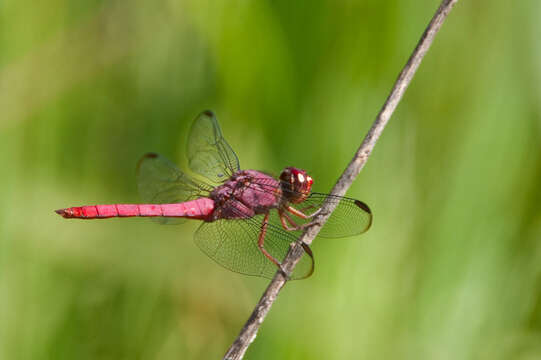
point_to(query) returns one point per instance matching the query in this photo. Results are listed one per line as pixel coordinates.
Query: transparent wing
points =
(233, 244)
(351, 216)
(159, 181)
(208, 152)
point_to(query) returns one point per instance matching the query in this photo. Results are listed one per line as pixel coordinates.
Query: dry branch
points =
(249, 331)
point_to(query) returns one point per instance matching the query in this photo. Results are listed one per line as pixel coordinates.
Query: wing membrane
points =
(233, 245)
(351, 217)
(159, 181)
(208, 152)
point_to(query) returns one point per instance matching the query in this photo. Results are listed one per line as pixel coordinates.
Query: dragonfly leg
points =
(285, 218)
(261, 243)
(300, 214)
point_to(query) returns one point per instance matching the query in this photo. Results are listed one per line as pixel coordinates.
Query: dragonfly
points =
(249, 218)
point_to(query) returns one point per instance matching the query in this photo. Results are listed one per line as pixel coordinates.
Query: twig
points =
(249, 331)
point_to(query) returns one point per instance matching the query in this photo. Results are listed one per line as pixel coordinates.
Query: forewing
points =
(159, 181)
(208, 152)
(351, 217)
(233, 244)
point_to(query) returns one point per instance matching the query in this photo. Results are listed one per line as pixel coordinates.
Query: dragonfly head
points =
(296, 184)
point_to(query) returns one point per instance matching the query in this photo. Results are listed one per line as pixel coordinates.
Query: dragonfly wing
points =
(233, 244)
(208, 152)
(159, 181)
(351, 217)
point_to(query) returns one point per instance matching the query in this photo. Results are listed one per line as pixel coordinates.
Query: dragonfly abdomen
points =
(196, 209)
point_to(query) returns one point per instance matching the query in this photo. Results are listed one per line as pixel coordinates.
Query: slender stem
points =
(249, 331)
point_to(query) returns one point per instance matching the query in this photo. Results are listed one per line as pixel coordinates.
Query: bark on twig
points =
(249, 331)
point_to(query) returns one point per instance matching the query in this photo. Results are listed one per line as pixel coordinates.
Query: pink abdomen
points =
(196, 209)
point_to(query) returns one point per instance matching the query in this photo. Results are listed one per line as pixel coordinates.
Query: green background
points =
(451, 268)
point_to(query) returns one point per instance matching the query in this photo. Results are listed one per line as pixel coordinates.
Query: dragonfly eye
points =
(296, 184)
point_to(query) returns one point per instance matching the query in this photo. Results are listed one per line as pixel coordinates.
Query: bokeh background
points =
(451, 268)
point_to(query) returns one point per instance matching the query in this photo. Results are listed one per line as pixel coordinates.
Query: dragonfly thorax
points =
(295, 184)
(246, 194)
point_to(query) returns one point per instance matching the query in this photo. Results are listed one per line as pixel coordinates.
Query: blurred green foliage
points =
(452, 266)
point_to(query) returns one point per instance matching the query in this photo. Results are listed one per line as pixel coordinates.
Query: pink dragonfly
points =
(249, 218)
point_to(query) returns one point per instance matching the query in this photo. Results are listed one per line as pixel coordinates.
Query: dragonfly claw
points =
(307, 225)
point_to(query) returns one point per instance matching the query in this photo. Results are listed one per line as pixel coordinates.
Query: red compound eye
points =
(299, 184)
